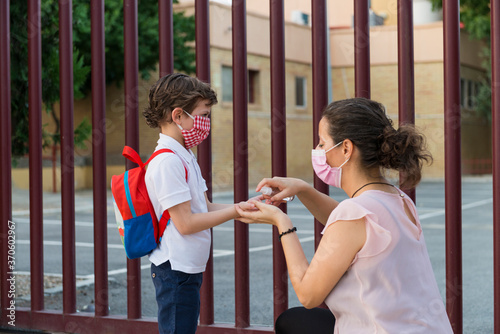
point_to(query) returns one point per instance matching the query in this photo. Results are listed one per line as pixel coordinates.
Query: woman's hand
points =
(282, 187)
(262, 214)
(249, 205)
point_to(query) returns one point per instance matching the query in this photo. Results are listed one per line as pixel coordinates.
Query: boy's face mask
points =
(198, 133)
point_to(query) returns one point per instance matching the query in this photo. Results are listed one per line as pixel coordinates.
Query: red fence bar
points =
(240, 140)
(406, 71)
(35, 153)
(361, 49)
(82, 323)
(278, 143)
(5, 166)
(495, 113)
(202, 36)
(99, 158)
(166, 36)
(202, 19)
(320, 86)
(131, 82)
(67, 155)
(453, 182)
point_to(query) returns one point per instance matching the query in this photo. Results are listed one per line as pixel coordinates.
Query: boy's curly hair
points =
(172, 91)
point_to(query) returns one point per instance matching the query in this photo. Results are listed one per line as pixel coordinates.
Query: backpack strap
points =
(165, 216)
(155, 153)
(164, 150)
(132, 155)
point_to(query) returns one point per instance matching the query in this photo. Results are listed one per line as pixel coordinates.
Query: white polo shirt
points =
(167, 187)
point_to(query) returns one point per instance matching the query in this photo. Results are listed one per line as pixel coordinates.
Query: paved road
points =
(477, 253)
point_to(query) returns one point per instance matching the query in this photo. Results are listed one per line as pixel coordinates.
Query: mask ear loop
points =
(188, 114)
(347, 158)
(178, 125)
(331, 148)
(344, 162)
(178, 115)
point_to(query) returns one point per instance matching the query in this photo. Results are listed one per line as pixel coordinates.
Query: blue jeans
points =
(178, 298)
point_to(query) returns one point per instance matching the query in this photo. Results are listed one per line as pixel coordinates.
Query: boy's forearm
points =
(206, 220)
(217, 206)
(189, 223)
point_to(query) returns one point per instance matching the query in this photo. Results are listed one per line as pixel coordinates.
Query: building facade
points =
(428, 45)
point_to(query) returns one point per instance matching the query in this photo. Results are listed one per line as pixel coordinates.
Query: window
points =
(253, 85)
(469, 90)
(300, 17)
(462, 92)
(227, 84)
(300, 92)
(470, 94)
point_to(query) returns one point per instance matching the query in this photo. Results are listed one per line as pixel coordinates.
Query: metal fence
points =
(37, 317)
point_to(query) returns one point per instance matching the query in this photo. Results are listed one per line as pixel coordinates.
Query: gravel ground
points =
(53, 293)
(23, 284)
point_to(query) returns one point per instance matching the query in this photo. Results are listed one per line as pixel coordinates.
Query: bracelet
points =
(293, 229)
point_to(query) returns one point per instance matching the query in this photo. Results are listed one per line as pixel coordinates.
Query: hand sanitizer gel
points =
(269, 192)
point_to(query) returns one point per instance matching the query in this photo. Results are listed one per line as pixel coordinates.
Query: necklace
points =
(369, 184)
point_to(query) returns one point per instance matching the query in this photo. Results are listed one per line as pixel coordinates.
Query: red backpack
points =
(138, 225)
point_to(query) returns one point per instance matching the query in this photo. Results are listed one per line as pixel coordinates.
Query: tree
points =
(184, 58)
(50, 76)
(475, 15)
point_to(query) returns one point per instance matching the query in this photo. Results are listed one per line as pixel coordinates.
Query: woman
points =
(371, 267)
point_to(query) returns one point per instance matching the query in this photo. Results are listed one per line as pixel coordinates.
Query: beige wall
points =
(83, 178)
(299, 125)
(339, 11)
(383, 45)
(428, 105)
(258, 35)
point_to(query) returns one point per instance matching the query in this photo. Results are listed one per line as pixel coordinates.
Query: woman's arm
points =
(338, 247)
(319, 204)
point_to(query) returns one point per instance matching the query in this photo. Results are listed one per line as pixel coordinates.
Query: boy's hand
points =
(262, 214)
(248, 205)
(245, 206)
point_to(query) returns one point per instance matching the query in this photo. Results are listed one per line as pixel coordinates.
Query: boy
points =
(179, 106)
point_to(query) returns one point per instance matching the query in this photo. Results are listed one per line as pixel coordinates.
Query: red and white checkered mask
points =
(198, 133)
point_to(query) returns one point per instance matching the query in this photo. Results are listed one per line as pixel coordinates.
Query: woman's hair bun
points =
(404, 150)
(366, 124)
